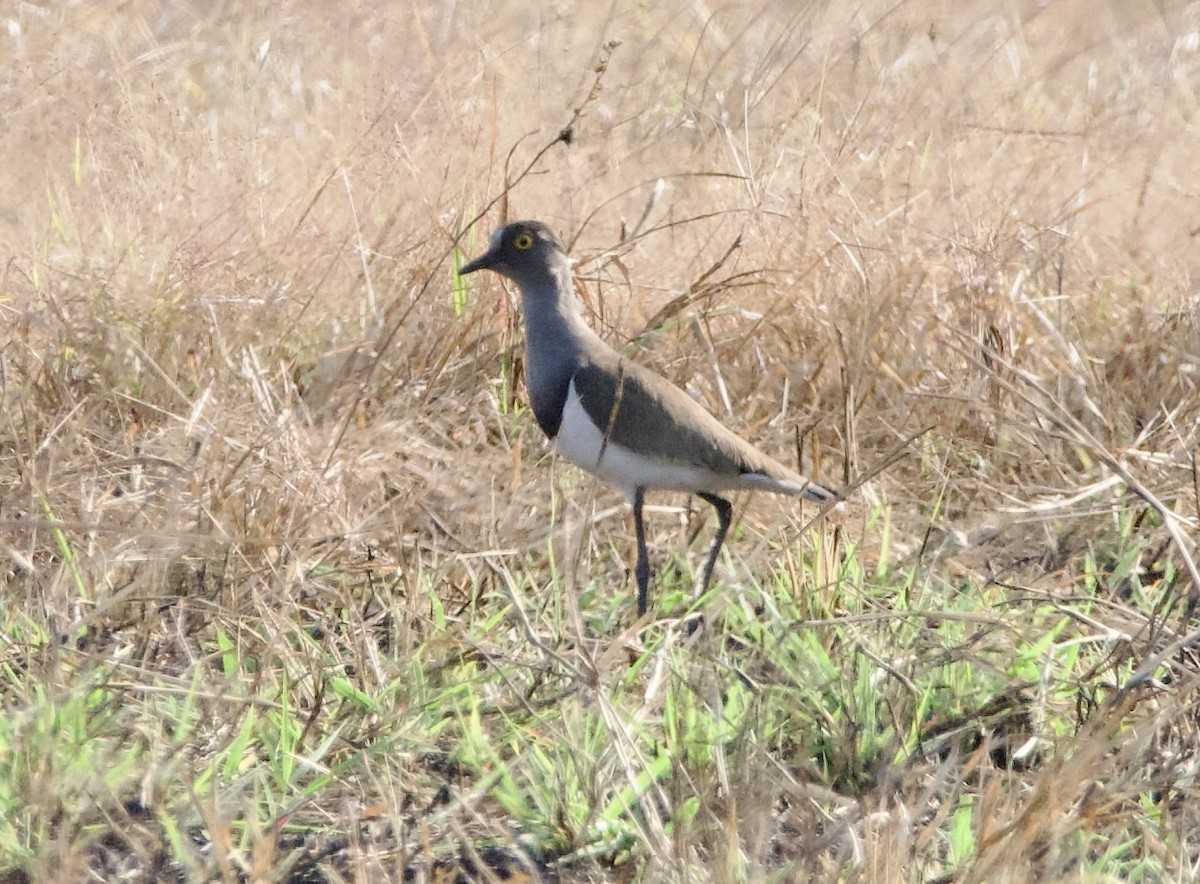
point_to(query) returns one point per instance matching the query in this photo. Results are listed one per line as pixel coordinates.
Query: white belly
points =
(581, 442)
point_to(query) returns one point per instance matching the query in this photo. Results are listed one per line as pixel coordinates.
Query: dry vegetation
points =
(293, 590)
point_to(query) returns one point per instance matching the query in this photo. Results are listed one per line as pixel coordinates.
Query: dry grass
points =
(294, 591)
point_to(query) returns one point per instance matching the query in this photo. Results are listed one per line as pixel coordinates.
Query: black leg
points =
(724, 519)
(642, 571)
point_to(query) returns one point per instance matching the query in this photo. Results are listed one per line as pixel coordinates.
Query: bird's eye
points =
(524, 242)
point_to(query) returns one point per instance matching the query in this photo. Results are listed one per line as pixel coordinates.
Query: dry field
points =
(293, 589)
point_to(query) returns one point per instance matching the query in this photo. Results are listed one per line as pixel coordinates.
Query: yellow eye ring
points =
(523, 242)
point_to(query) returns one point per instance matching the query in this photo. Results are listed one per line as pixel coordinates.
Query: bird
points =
(616, 419)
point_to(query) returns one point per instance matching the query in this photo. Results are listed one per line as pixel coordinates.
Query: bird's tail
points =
(819, 493)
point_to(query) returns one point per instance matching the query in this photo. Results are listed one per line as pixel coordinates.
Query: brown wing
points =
(638, 409)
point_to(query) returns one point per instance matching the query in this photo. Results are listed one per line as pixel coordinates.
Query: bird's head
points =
(524, 251)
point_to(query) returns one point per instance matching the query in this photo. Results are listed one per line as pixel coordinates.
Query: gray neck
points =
(557, 340)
